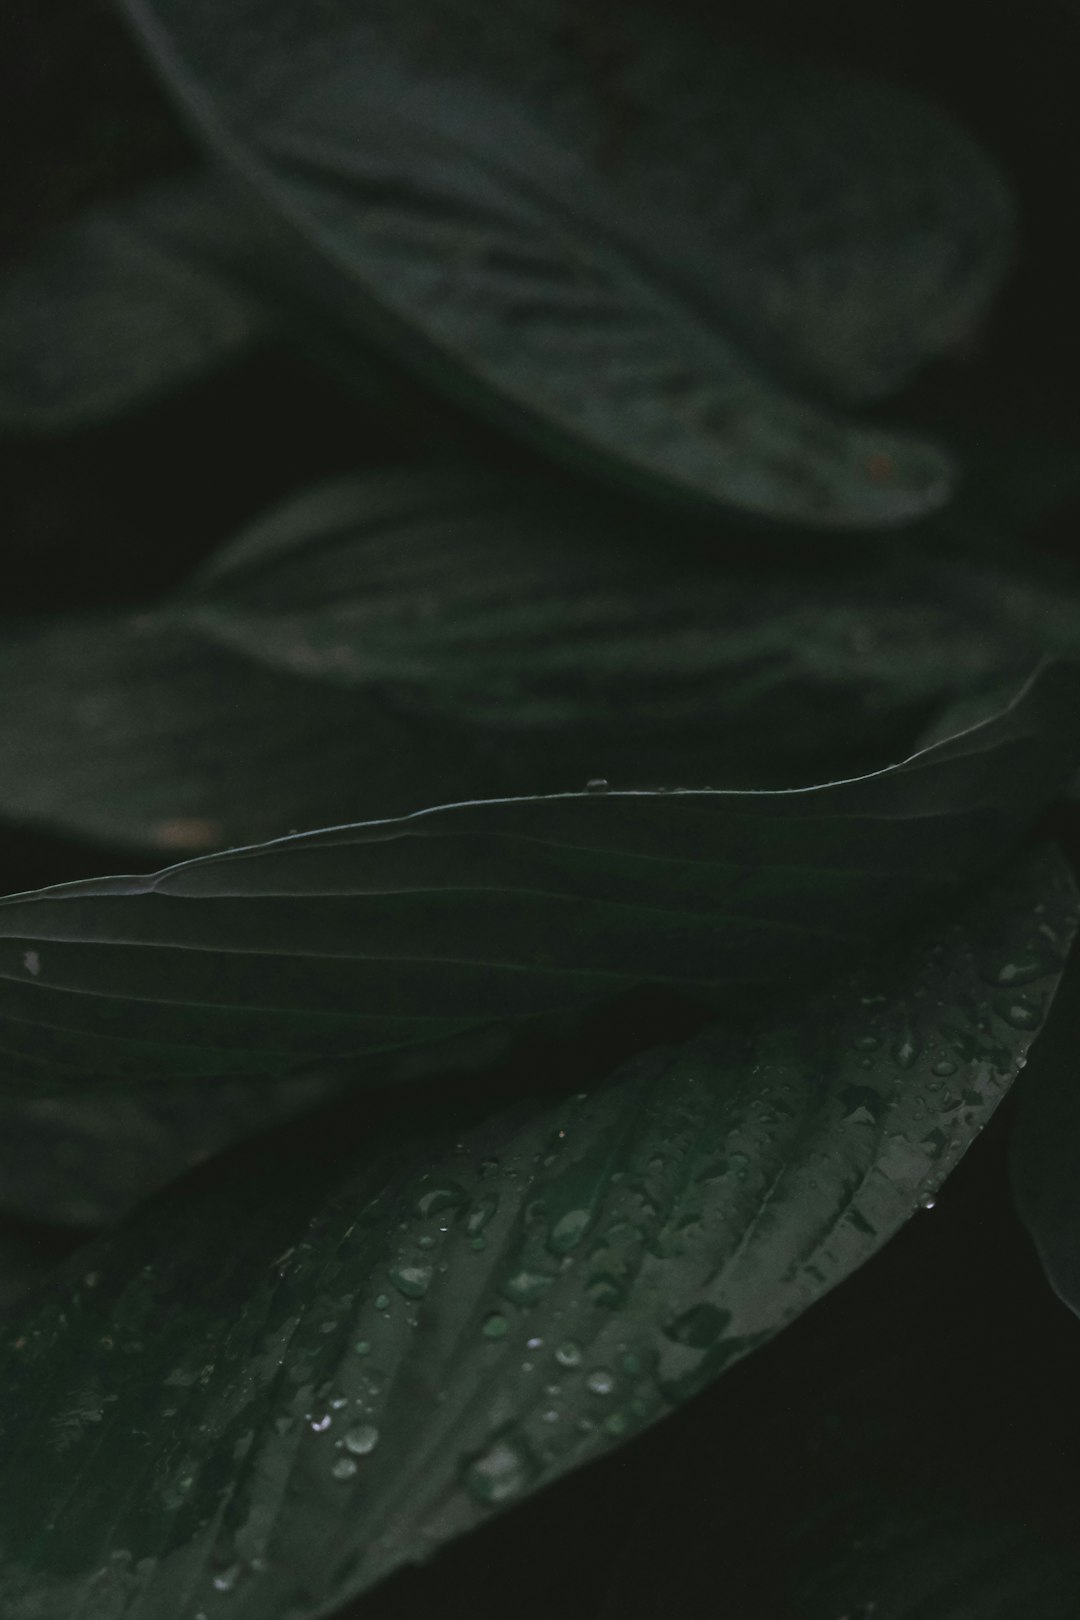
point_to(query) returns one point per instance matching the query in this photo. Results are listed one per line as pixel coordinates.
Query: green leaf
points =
(645, 250)
(399, 932)
(76, 1159)
(404, 1333)
(124, 305)
(1045, 1161)
(147, 738)
(491, 601)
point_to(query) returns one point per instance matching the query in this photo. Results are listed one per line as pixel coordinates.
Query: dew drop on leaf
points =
(498, 1473)
(361, 1439)
(411, 1280)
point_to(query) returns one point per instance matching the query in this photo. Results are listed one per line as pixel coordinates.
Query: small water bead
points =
(525, 1287)
(362, 1347)
(438, 1199)
(568, 1354)
(226, 1579)
(344, 1468)
(425, 1242)
(597, 784)
(601, 1381)
(943, 1067)
(499, 1473)
(1019, 969)
(361, 1439)
(615, 1423)
(533, 1344)
(411, 1280)
(568, 1231)
(479, 1216)
(1021, 1014)
(382, 1302)
(321, 1424)
(866, 1043)
(927, 1201)
(495, 1326)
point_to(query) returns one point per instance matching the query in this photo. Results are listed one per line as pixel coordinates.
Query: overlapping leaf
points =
(397, 932)
(84, 1160)
(404, 1333)
(124, 305)
(1046, 1143)
(492, 601)
(638, 246)
(131, 735)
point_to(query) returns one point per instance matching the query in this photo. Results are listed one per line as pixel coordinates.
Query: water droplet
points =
(866, 1043)
(321, 1424)
(226, 1579)
(344, 1468)
(905, 1050)
(525, 1287)
(361, 1439)
(1015, 970)
(1020, 1011)
(943, 1066)
(533, 1344)
(601, 1381)
(495, 1326)
(615, 1423)
(382, 1302)
(32, 963)
(568, 1231)
(440, 1198)
(568, 1354)
(498, 1473)
(479, 1216)
(927, 1201)
(411, 1280)
(362, 1347)
(597, 784)
(698, 1327)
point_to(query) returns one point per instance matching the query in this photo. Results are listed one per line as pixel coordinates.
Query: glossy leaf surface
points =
(406, 1332)
(643, 249)
(402, 932)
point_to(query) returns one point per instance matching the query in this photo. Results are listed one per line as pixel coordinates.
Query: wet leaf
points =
(408, 1331)
(393, 933)
(649, 252)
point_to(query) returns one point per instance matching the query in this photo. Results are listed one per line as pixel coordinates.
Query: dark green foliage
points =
(437, 1323)
(619, 739)
(124, 306)
(392, 933)
(535, 227)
